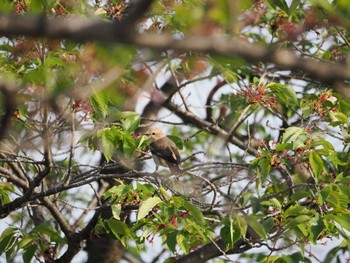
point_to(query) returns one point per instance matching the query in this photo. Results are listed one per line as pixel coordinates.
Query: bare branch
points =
(65, 227)
(209, 109)
(6, 209)
(189, 117)
(13, 178)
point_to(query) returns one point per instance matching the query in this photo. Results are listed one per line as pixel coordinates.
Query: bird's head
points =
(155, 134)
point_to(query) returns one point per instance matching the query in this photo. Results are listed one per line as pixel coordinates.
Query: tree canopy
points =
(254, 93)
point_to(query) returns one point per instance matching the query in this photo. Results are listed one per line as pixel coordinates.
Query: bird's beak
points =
(147, 134)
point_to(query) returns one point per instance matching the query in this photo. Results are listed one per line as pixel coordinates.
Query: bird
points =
(164, 151)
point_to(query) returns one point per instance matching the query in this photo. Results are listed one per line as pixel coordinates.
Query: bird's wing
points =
(165, 148)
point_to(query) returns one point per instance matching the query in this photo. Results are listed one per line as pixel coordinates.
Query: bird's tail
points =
(174, 169)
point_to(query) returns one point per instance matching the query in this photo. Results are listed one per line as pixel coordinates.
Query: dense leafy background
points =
(263, 132)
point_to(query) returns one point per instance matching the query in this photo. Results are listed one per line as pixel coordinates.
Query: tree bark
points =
(104, 250)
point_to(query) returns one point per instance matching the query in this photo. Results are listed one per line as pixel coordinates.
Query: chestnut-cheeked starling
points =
(164, 151)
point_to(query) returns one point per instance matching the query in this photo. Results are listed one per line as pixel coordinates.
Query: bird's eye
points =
(153, 133)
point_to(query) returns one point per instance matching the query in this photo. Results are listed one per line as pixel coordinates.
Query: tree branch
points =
(6, 209)
(209, 109)
(212, 250)
(120, 31)
(9, 101)
(189, 117)
(75, 242)
(65, 227)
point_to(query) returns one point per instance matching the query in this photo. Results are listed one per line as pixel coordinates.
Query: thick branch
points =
(212, 250)
(65, 227)
(9, 101)
(82, 30)
(75, 243)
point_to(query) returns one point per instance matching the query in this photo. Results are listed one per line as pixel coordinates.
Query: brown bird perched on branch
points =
(164, 151)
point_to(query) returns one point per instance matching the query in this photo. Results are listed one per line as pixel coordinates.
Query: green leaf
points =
(327, 146)
(256, 81)
(36, 6)
(25, 241)
(182, 242)
(229, 232)
(283, 147)
(53, 61)
(268, 224)
(110, 139)
(51, 232)
(300, 142)
(146, 189)
(194, 211)
(282, 4)
(6, 186)
(273, 202)
(341, 117)
(264, 163)
(333, 157)
(28, 253)
(317, 229)
(342, 219)
(99, 103)
(7, 6)
(123, 115)
(164, 193)
(131, 123)
(241, 223)
(291, 134)
(328, 151)
(171, 240)
(107, 147)
(129, 144)
(295, 257)
(8, 239)
(118, 227)
(316, 163)
(299, 220)
(36, 75)
(117, 192)
(178, 201)
(342, 200)
(307, 107)
(293, 6)
(198, 229)
(116, 210)
(332, 254)
(11, 253)
(142, 142)
(286, 93)
(147, 206)
(177, 140)
(8, 231)
(296, 210)
(226, 233)
(257, 226)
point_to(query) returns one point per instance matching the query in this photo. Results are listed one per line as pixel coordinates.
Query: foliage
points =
(264, 146)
